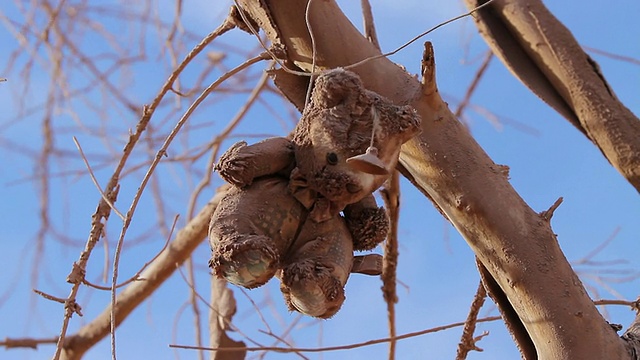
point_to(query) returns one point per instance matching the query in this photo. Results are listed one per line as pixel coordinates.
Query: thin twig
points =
(391, 196)
(193, 301)
(610, 55)
(307, 16)
(467, 340)
(12, 343)
(474, 84)
(206, 180)
(341, 347)
(103, 209)
(95, 181)
(49, 297)
(161, 153)
(418, 37)
(227, 322)
(136, 276)
(631, 304)
(586, 259)
(282, 340)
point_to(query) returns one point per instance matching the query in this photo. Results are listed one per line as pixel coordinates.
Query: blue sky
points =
(549, 160)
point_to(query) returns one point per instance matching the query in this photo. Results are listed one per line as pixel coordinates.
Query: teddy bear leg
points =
(313, 280)
(367, 223)
(242, 163)
(310, 287)
(244, 260)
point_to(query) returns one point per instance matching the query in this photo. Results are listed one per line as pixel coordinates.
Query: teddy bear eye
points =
(332, 158)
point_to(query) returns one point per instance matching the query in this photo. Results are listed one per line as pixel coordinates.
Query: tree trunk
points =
(515, 244)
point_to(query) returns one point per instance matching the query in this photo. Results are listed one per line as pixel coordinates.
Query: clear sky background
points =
(547, 156)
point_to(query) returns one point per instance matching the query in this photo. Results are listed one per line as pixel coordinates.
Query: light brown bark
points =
(514, 243)
(544, 55)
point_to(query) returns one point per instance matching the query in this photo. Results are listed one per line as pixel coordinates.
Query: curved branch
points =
(544, 55)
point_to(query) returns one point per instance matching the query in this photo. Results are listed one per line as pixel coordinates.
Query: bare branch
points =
(474, 84)
(391, 196)
(342, 347)
(95, 181)
(547, 214)
(13, 343)
(187, 239)
(545, 56)
(468, 341)
(449, 166)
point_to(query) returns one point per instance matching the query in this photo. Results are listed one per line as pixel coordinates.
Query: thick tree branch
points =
(632, 338)
(512, 241)
(545, 56)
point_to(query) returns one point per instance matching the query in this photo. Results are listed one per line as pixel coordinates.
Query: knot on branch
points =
(71, 306)
(77, 274)
(470, 345)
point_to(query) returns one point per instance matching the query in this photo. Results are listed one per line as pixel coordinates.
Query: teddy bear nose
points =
(353, 188)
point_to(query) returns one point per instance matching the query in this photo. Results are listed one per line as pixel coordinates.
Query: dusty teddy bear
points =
(283, 215)
(260, 231)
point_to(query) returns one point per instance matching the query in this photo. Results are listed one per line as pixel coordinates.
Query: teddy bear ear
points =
(369, 162)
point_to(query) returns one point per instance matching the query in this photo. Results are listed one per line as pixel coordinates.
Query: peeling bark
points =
(514, 243)
(544, 55)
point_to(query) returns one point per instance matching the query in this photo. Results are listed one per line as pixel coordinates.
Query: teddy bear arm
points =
(243, 163)
(367, 223)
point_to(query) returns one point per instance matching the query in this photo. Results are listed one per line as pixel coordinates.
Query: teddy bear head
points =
(342, 121)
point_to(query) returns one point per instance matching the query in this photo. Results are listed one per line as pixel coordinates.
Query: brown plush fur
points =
(283, 215)
(340, 120)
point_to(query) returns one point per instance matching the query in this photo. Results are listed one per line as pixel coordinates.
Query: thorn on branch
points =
(71, 306)
(547, 214)
(428, 70)
(615, 327)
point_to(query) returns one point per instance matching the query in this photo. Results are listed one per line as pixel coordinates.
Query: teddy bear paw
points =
(236, 166)
(249, 263)
(369, 228)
